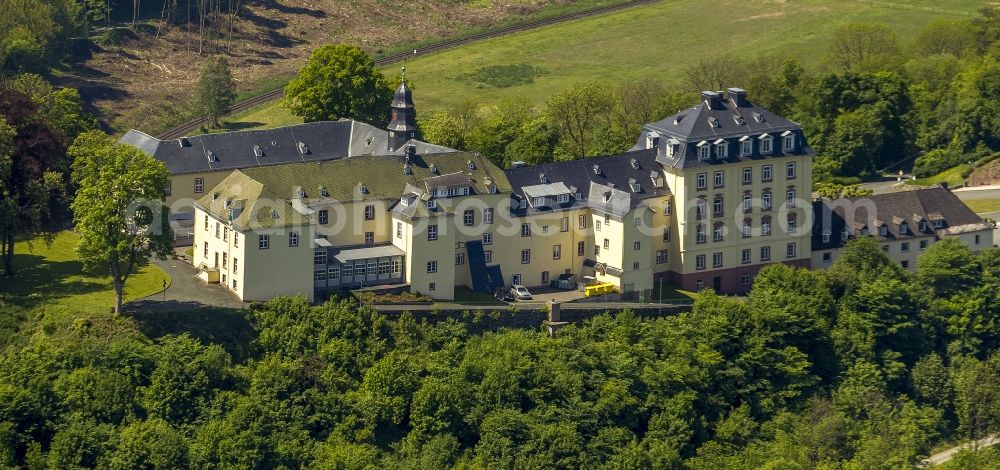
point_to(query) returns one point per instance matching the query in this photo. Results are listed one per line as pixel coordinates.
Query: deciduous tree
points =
(337, 82)
(216, 90)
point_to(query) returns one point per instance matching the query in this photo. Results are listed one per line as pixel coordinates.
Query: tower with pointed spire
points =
(403, 126)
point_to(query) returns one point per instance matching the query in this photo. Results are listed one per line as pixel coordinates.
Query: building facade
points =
(704, 199)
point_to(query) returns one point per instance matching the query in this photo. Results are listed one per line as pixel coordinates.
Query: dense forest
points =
(877, 104)
(864, 366)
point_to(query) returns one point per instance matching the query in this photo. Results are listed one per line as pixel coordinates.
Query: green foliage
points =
(836, 191)
(503, 76)
(862, 47)
(216, 89)
(340, 81)
(118, 209)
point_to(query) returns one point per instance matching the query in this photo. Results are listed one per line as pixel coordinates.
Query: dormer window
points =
(493, 188)
(470, 165)
(324, 192)
(300, 193)
(432, 204)
(758, 117)
(635, 185)
(883, 230)
(303, 148)
(563, 198)
(789, 141)
(864, 232)
(274, 214)
(257, 151)
(904, 229)
(538, 202)
(362, 188)
(211, 157)
(522, 204)
(826, 236)
(713, 122)
(542, 178)
(937, 224)
(845, 234)
(746, 146)
(765, 143)
(434, 169)
(703, 151)
(923, 226)
(634, 163)
(407, 169)
(607, 196)
(721, 149)
(597, 169)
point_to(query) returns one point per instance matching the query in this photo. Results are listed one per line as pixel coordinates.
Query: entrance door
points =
(717, 284)
(545, 278)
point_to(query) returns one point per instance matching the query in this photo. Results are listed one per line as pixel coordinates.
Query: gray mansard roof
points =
(310, 142)
(729, 118)
(613, 174)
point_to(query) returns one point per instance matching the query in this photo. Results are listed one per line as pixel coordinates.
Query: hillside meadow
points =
(658, 41)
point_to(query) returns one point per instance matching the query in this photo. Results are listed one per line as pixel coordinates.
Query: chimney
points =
(712, 98)
(738, 97)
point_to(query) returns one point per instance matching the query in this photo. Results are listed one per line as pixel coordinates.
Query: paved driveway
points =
(185, 292)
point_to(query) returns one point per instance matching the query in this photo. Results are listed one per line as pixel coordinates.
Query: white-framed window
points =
(488, 215)
(717, 232)
(746, 147)
(699, 209)
(790, 142)
(636, 246)
(699, 262)
(580, 248)
(666, 234)
(791, 223)
(745, 278)
(722, 150)
(525, 256)
(538, 202)
(581, 222)
(556, 251)
(637, 222)
(432, 232)
(218, 227)
(432, 266)
(468, 217)
(348, 270)
(845, 234)
(883, 230)
(319, 274)
(607, 220)
(745, 256)
(319, 256)
(236, 239)
(702, 180)
(545, 229)
(661, 256)
(263, 242)
(717, 206)
(459, 259)
(668, 207)
(206, 222)
(747, 201)
(766, 172)
(790, 198)
(333, 273)
(199, 185)
(564, 224)
(563, 198)
(635, 266)
(399, 230)
(369, 212)
(703, 152)
(765, 145)
(765, 253)
(372, 267)
(324, 216)
(746, 229)
(700, 233)
(790, 250)
(717, 259)
(607, 244)
(826, 236)
(790, 170)
(487, 238)
(699, 284)
(904, 229)
(765, 226)
(432, 286)
(515, 279)
(720, 179)
(523, 203)
(488, 256)
(525, 230)
(432, 204)
(747, 175)
(765, 200)
(369, 238)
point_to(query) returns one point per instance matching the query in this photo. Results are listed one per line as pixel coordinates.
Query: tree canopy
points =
(340, 81)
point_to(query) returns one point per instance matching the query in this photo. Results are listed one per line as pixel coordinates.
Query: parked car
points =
(520, 292)
(503, 295)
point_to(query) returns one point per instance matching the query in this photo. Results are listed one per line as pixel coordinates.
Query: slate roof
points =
(324, 140)
(893, 209)
(579, 176)
(722, 120)
(382, 175)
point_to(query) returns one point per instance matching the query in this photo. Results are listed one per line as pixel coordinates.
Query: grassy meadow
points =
(50, 275)
(655, 41)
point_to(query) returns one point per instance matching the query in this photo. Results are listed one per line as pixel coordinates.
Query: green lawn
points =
(952, 176)
(51, 275)
(656, 41)
(983, 206)
(671, 291)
